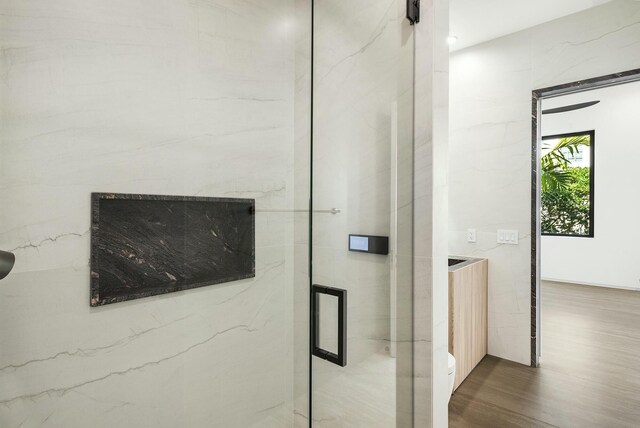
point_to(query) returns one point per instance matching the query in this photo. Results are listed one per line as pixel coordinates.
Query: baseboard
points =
(592, 284)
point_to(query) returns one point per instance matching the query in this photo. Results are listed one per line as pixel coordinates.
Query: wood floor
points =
(589, 374)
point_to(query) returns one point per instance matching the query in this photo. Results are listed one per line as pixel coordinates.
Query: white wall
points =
(490, 149)
(162, 97)
(611, 257)
(430, 277)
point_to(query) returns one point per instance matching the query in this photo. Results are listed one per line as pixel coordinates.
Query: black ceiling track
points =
(413, 11)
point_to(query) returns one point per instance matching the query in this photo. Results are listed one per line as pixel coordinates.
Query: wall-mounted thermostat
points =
(369, 244)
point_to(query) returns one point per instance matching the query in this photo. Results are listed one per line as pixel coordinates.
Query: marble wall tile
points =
(490, 152)
(430, 216)
(152, 97)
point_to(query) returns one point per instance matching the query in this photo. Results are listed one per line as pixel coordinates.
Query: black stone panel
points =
(144, 245)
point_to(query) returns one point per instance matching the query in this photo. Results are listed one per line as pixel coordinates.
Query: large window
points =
(567, 166)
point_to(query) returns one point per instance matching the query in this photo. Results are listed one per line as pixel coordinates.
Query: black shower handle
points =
(341, 357)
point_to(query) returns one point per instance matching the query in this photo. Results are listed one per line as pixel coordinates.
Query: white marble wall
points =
(490, 152)
(430, 308)
(164, 97)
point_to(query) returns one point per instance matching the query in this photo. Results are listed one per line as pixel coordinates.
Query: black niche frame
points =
(98, 298)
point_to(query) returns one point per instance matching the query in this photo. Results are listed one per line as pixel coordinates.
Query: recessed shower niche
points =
(145, 245)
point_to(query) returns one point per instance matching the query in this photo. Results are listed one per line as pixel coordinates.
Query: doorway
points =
(560, 148)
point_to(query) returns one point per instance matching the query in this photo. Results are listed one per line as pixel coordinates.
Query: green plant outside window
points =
(567, 184)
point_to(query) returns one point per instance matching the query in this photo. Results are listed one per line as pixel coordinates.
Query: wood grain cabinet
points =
(468, 300)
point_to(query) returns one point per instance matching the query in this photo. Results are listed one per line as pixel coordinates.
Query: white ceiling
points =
(476, 21)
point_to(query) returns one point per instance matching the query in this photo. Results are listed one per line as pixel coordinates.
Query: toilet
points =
(452, 373)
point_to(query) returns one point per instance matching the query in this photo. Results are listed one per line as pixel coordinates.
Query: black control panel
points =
(369, 244)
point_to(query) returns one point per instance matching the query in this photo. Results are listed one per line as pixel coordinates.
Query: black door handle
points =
(341, 357)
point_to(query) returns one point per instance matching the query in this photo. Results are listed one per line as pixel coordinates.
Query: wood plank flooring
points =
(589, 374)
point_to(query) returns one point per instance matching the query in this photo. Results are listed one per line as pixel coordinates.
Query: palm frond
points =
(554, 162)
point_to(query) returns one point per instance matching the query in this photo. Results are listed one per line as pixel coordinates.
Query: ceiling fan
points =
(570, 107)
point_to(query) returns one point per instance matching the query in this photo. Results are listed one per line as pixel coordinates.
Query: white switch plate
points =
(471, 235)
(506, 236)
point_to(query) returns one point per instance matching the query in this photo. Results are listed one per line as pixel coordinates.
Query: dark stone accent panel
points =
(145, 245)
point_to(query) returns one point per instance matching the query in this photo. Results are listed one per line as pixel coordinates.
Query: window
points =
(567, 172)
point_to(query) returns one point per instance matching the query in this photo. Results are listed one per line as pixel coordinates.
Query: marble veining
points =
(144, 245)
(170, 98)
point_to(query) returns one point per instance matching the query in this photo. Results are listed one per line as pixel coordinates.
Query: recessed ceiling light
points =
(451, 40)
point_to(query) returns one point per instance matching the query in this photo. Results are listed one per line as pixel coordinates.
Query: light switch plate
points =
(507, 236)
(471, 235)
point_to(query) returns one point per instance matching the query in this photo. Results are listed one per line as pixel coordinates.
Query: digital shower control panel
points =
(369, 244)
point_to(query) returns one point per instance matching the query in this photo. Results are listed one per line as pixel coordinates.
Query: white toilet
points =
(452, 373)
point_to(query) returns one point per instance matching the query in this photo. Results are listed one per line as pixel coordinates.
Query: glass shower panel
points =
(187, 100)
(362, 166)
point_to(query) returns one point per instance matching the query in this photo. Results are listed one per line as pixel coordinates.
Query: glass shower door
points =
(362, 227)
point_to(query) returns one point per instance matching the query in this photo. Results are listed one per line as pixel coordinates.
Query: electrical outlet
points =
(506, 236)
(471, 235)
